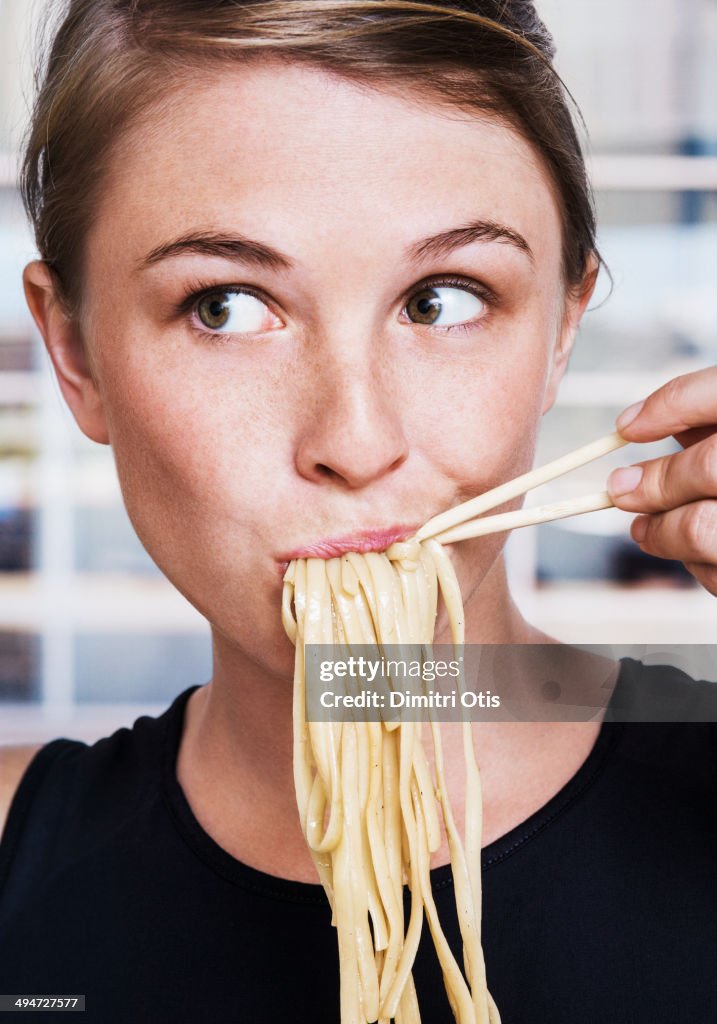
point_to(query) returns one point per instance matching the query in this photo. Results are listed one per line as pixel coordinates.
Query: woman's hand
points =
(678, 492)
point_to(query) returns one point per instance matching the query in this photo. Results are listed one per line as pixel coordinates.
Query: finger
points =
(705, 574)
(678, 406)
(688, 534)
(659, 485)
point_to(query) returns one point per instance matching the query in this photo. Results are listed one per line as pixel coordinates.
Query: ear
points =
(575, 305)
(63, 342)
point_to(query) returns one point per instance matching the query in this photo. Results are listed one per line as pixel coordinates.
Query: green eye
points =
(213, 310)
(444, 306)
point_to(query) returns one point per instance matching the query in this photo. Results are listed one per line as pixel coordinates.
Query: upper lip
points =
(360, 541)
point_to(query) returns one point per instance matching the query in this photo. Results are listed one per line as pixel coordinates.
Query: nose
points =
(351, 432)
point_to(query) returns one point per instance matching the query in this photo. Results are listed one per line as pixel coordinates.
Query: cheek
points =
(481, 415)
(484, 429)
(186, 442)
(195, 488)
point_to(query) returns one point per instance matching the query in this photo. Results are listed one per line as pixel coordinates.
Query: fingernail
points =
(628, 415)
(622, 481)
(639, 528)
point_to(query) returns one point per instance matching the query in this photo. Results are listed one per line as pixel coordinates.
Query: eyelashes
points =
(423, 300)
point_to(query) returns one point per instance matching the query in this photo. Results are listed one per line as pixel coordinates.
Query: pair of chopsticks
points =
(460, 523)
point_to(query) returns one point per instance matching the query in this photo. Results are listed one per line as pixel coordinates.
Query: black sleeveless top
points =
(601, 908)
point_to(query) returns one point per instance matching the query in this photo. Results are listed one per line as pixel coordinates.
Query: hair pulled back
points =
(110, 61)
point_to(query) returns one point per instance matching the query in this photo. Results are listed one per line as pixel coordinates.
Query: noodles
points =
(366, 798)
(369, 807)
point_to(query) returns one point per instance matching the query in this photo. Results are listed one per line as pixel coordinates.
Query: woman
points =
(314, 270)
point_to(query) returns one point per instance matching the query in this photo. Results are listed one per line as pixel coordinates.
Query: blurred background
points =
(92, 635)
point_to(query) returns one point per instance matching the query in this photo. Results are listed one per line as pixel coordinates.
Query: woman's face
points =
(383, 324)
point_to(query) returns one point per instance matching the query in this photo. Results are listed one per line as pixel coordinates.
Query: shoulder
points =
(13, 763)
(666, 732)
(67, 781)
(662, 693)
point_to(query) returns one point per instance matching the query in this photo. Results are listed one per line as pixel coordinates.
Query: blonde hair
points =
(110, 62)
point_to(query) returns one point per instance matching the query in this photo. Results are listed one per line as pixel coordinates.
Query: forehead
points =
(283, 150)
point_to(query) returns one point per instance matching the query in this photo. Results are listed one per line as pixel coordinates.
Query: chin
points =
(477, 561)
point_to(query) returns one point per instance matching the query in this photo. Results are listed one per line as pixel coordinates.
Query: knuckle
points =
(706, 456)
(700, 529)
(673, 392)
(658, 479)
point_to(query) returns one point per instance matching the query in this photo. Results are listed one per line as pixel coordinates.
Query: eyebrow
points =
(475, 231)
(246, 250)
(232, 247)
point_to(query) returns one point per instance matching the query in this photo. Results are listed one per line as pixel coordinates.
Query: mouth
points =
(361, 541)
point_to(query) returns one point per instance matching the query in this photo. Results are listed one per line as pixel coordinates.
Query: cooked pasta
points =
(368, 804)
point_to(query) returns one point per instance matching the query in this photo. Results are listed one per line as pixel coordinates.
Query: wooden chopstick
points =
(525, 517)
(444, 526)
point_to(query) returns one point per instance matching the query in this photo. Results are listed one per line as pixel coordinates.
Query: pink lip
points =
(361, 541)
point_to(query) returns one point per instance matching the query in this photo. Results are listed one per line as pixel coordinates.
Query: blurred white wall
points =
(16, 43)
(644, 72)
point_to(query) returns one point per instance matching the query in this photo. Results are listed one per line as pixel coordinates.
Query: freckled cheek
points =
(182, 448)
(201, 523)
(480, 425)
